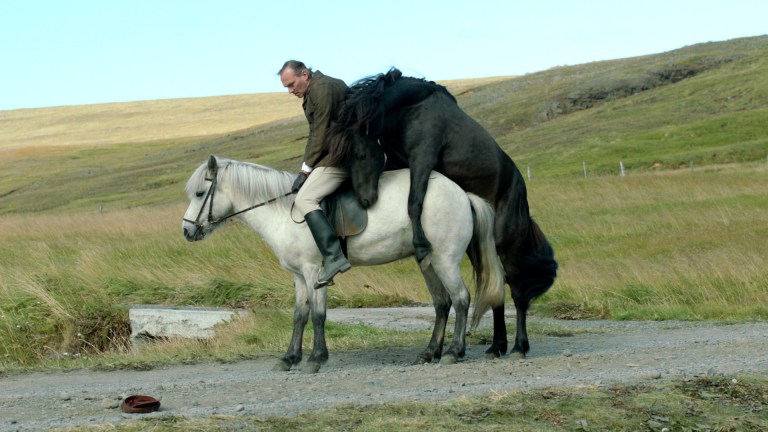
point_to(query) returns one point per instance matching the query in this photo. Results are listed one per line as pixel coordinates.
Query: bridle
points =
(209, 200)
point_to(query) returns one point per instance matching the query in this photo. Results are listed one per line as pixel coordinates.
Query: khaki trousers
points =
(322, 181)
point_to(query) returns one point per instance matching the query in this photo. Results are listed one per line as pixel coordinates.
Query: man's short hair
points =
(296, 66)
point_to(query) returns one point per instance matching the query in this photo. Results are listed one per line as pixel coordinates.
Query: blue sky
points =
(83, 52)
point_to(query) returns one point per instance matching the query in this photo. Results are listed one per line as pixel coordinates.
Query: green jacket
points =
(322, 103)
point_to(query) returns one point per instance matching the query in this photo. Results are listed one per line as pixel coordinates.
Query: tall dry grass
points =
(651, 246)
(68, 279)
(659, 246)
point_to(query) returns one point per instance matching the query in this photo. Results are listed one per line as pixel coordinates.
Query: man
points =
(320, 175)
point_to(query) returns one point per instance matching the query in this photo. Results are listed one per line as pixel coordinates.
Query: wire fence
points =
(622, 169)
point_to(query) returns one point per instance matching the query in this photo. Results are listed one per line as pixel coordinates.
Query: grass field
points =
(650, 246)
(91, 200)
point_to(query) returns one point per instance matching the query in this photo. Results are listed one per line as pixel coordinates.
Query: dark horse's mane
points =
(370, 99)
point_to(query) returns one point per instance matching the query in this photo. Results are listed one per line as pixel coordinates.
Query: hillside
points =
(131, 122)
(704, 103)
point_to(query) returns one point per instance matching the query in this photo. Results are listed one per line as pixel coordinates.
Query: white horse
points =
(453, 220)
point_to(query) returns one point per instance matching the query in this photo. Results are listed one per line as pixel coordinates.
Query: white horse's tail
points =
(489, 276)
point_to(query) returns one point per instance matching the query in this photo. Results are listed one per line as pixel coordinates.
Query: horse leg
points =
(522, 302)
(459, 342)
(300, 317)
(499, 344)
(418, 190)
(442, 304)
(528, 261)
(319, 355)
(522, 346)
(452, 282)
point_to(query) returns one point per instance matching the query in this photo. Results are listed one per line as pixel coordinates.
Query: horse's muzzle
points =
(368, 201)
(193, 233)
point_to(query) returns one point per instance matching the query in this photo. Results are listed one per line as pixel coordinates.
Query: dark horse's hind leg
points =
(527, 257)
(499, 344)
(522, 346)
(522, 302)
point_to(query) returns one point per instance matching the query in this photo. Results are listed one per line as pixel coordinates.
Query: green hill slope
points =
(705, 103)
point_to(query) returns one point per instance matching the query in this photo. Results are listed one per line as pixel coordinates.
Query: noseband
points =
(209, 200)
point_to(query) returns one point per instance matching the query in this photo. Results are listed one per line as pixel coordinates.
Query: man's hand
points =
(302, 177)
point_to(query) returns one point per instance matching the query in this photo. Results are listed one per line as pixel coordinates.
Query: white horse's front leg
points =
(292, 357)
(318, 301)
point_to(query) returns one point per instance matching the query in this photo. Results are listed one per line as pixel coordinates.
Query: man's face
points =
(297, 85)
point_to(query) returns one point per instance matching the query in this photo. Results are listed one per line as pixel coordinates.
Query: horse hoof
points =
(421, 360)
(448, 359)
(282, 366)
(492, 355)
(311, 367)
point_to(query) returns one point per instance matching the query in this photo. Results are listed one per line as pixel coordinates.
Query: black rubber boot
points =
(334, 260)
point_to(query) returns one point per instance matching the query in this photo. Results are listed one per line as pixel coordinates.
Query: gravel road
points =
(601, 353)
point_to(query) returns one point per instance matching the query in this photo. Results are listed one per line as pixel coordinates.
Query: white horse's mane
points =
(252, 182)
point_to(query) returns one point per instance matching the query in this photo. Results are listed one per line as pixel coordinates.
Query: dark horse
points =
(419, 125)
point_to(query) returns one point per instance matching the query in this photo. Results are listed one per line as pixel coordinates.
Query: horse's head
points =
(365, 166)
(203, 214)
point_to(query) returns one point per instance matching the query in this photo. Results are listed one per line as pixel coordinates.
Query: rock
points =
(149, 322)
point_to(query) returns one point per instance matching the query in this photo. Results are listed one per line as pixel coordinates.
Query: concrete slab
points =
(163, 322)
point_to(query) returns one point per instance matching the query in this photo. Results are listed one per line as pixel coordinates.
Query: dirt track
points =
(606, 353)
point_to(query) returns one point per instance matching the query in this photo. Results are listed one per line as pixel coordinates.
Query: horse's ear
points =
(394, 74)
(212, 163)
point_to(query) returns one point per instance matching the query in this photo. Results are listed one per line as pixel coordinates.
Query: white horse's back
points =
(447, 220)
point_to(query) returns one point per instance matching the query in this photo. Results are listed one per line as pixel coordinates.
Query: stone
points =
(159, 322)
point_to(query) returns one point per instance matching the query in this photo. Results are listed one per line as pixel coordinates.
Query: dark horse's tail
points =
(528, 252)
(536, 264)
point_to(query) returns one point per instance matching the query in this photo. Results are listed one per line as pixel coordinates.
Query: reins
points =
(211, 192)
(269, 201)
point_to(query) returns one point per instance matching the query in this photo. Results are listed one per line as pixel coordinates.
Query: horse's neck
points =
(273, 223)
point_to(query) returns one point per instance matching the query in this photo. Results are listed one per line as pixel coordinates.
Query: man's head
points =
(295, 76)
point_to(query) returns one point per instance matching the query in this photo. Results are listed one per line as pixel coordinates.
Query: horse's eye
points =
(199, 194)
